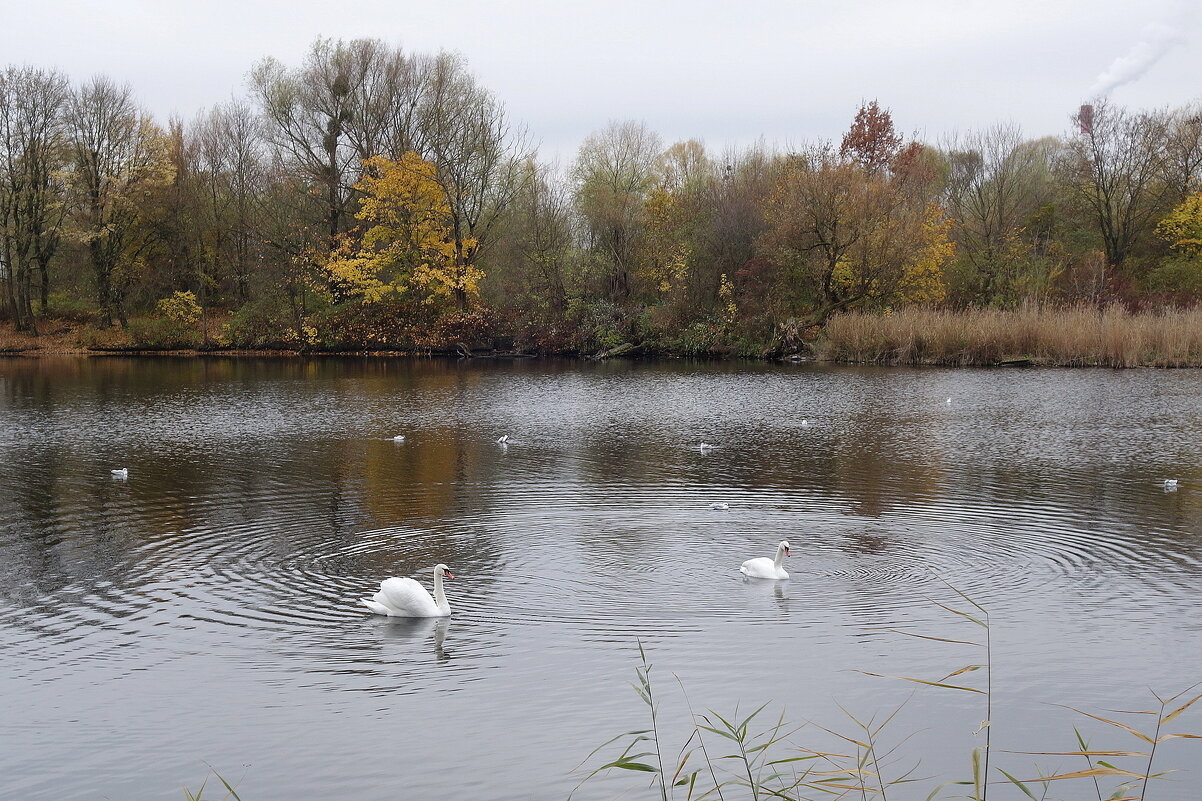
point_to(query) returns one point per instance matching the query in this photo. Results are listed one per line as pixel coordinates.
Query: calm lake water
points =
(204, 612)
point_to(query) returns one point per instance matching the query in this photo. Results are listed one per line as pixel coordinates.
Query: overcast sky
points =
(723, 71)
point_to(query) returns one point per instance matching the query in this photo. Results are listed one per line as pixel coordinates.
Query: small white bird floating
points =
(719, 505)
(399, 438)
(1170, 483)
(805, 423)
(404, 597)
(503, 439)
(705, 447)
(121, 472)
(948, 401)
(765, 568)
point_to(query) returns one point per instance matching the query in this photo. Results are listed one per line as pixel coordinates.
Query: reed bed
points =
(749, 756)
(1074, 336)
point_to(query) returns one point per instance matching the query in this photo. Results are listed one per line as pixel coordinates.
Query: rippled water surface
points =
(205, 610)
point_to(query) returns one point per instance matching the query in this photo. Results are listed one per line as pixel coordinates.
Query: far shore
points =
(1076, 336)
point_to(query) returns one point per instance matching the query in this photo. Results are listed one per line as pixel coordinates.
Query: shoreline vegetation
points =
(1075, 336)
(371, 199)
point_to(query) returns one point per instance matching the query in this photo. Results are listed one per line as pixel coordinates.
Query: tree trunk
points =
(44, 270)
(26, 300)
(104, 292)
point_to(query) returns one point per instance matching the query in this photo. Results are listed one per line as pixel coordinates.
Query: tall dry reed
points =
(1073, 336)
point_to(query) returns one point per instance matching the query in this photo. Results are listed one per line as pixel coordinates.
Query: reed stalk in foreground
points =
(1072, 336)
(767, 763)
(230, 793)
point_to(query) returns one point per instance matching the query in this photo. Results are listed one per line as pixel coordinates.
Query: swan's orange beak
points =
(447, 574)
(788, 552)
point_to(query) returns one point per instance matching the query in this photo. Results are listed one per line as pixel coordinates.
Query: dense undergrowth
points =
(1066, 336)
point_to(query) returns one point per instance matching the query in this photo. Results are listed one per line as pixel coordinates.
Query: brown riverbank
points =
(1078, 336)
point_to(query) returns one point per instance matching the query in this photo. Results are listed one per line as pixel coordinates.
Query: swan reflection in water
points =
(417, 629)
(778, 590)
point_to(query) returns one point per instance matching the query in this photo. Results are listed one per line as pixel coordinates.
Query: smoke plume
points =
(1157, 40)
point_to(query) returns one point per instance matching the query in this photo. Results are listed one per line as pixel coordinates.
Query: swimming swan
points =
(503, 439)
(120, 473)
(399, 438)
(763, 567)
(404, 597)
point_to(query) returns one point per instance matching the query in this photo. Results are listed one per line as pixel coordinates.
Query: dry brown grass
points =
(56, 337)
(1076, 336)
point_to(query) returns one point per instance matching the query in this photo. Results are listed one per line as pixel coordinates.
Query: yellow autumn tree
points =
(1182, 227)
(665, 256)
(1181, 273)
(409, 243)
(922, 278)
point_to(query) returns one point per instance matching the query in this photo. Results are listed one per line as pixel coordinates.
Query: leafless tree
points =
(1113, 167)
(32, 191)
(119, 157)
(996, 182)
(306, 113)
(1183, 152)
(531, 261)
(479, 155)
(615, 169)
(229, 176)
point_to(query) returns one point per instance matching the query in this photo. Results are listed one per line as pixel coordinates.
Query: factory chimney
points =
(1085, 119)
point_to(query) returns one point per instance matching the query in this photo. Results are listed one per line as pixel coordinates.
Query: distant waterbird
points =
(503, 439)
(121, 472)
(805, 423)
(705, 447)
(399, 438)
(1170, 483)
(719, 505)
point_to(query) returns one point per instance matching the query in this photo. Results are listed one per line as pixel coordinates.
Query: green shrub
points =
(163, 332)
(262, 323)
(62, 306)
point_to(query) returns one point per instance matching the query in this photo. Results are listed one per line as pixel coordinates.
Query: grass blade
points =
(924, 681)
(1019, 785)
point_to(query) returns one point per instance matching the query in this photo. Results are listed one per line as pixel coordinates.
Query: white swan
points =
(705, 447)
(122, 472)
(404, 597)
(805, 423)
(503, 439)
(399, 438)
(1170, 483)
(763, 567)
(719, 505)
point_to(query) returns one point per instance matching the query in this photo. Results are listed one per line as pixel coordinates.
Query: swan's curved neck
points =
(780, 557)
(440, 597)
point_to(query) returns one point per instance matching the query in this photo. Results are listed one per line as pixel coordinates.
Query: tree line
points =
(370, 197)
